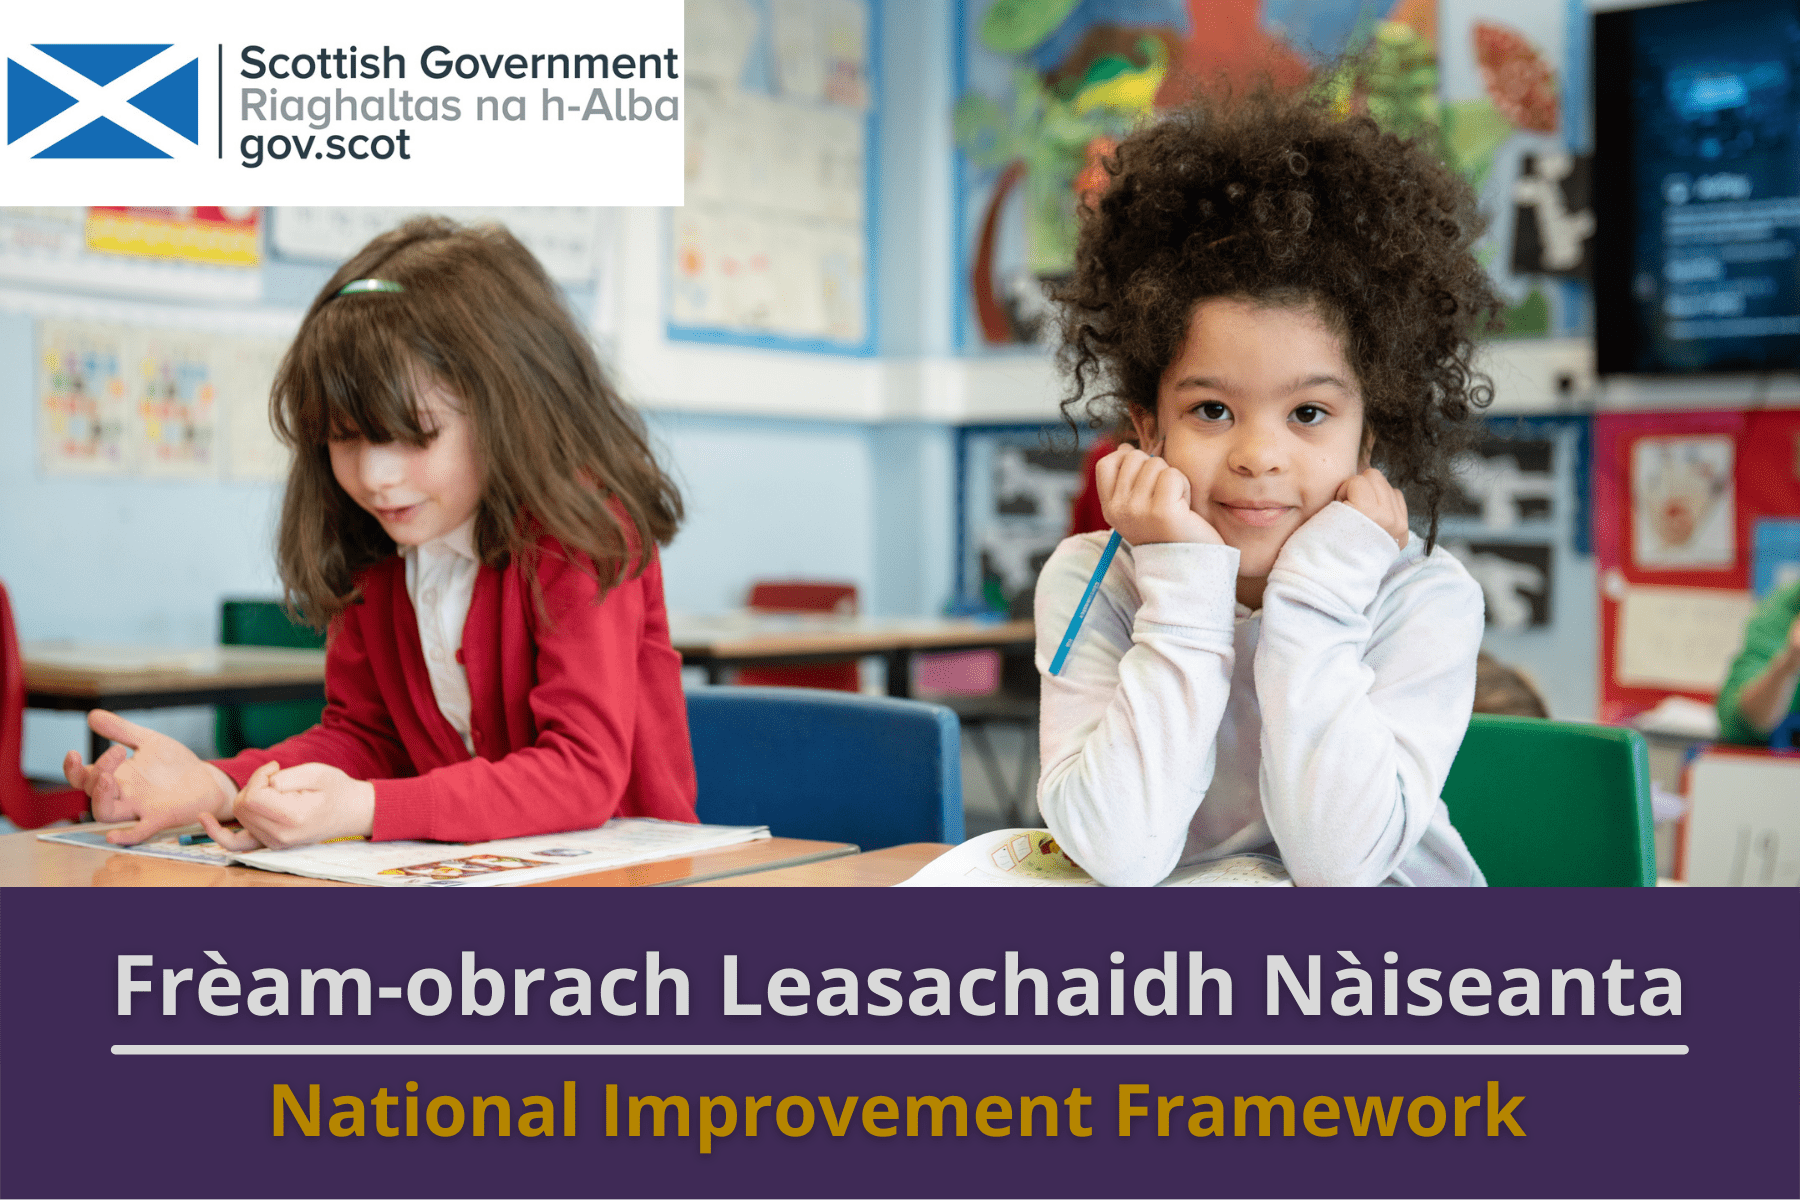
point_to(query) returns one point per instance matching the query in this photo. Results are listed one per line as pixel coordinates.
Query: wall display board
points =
(119, 400)
(226, 236)
(1015, 485)
(1519, 520)
(1678, 498)
(774, 246)
(179, 253)
(1046, 90)
(570, 242)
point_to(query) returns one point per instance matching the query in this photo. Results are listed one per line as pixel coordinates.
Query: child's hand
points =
(163, 785)
(1148, 501)
(308, 803)
(1375, 498)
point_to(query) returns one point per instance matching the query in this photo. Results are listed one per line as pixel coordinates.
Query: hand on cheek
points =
(1370, 494)
(308, 803)
(1148, 501)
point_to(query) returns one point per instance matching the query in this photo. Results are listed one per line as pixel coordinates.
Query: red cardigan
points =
(574, 720)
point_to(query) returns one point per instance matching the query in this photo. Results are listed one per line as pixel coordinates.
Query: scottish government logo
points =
(102, 100)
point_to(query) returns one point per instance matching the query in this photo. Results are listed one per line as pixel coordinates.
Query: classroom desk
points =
(27, 862)
(76, 676)
(877, 868)
(781, 639)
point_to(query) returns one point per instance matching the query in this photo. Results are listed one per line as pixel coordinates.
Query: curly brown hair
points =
(1277, 200)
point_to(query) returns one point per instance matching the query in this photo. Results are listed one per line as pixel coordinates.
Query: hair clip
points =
(369, 285)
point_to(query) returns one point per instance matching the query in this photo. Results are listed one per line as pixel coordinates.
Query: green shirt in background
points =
(1764, 637)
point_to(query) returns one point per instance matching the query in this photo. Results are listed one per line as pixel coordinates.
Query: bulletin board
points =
(774, 247)
(1015, 485)
(1678, 501)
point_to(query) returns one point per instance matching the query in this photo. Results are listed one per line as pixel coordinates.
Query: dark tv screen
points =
(1697, 187)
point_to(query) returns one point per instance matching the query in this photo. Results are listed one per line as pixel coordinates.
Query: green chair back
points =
(258, 726)
(1554, 803)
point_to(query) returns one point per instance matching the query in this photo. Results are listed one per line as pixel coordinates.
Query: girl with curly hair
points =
(1281, 302)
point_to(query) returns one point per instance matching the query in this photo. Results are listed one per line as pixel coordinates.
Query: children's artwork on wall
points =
(84, 399)
(773, 247)
(1046, 88)
(1679, 497)
(1017, 485)
(1679, 638)
(134, 252)
(1683, 515)
(1518, 519)
(1774, 555)
(156, 403)
(1505, 482)
(221, 236)
(1515, 581)
(175, 412)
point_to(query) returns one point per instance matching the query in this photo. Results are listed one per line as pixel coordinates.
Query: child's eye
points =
(1212, 410)
(1309, 414)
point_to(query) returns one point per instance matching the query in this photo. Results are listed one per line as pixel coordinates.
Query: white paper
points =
(1744, 821)
(621, 842)
(1680, 638)
(1031, 858)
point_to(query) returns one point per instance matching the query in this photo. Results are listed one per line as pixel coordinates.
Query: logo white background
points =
(474, 160)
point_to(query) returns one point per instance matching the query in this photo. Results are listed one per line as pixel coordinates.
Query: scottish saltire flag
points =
(102, 100)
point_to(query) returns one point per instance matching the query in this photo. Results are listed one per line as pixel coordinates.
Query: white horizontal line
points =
(738, 1050)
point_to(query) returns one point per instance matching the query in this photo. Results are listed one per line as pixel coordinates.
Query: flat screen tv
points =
(1697, 188)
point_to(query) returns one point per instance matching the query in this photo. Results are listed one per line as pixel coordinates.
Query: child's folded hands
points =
(1149, 501)
(307, 803)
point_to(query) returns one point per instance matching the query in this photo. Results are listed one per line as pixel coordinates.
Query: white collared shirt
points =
(440, 581)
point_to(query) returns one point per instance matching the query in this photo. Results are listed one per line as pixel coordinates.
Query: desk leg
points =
(899, 673)
(715, 673)
(97, 745)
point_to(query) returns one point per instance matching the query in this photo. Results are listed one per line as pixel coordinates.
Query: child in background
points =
(1281, 302)
(1505, 691)
(473, 512)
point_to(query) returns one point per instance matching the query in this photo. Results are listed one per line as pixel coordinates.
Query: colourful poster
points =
(1047, 87)
(83, 405)
(224, 236)
(175, 412)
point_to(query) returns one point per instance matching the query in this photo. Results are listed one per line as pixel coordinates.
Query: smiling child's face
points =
(1263, 414)
(418, 493)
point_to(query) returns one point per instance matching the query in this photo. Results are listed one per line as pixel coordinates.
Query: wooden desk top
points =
(877, 868)
(748, 635)
(27, 862)
(91, 669)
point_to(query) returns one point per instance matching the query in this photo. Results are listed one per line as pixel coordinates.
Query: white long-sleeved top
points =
(440, 582)
(1185, 727)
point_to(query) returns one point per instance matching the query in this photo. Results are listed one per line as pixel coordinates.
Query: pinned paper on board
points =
(1678, 637)
(1505, 481)
(772, 243)
(83, 399)
(158, 403)
(1683, 512)
(1515, 579)
(175, 414)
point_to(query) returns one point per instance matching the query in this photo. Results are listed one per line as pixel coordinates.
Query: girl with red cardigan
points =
(473, 514)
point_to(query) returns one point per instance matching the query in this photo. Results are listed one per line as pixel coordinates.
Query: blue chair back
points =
(833, 766)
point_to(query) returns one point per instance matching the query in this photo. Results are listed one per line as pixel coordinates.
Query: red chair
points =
(794, 596)
(23, 804)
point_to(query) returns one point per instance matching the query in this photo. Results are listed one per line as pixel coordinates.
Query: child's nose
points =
(1256, 451)
(382, 465)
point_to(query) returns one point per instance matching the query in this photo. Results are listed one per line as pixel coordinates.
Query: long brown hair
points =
(562, 454)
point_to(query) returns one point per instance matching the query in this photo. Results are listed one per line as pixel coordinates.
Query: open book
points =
(1031, 858)
(621, 842)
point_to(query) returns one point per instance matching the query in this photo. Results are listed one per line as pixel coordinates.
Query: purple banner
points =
(562, 1042)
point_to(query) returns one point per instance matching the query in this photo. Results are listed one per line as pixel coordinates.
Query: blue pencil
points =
(1087, 600)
